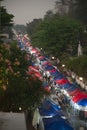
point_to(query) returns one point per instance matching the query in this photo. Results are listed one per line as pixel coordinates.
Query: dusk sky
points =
(26, 10)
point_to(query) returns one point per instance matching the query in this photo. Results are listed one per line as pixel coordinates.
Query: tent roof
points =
(49, 108)
(49, 67)
(66, 85)
(62, 81)
(76, 91)
(82, 102)
(79, 96)
(57, 123)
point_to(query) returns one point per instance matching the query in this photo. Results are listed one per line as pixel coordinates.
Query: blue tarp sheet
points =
(49, 109)
(57, 123)
(49, 67)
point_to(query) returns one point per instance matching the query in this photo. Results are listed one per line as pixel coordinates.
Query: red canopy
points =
(47, 89)
(34, 50)
(34, 68)
(62, 81)
(41, 57)
(72, 93)
(53, 70)
(79, 96)
(36, 75)
(28, 44)
(46, 63)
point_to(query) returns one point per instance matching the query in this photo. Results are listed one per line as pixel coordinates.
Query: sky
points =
(27, 10)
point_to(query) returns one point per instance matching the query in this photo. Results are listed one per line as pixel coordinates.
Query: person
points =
(44, 75)
(48, 76)
(68, 110)
(36, 119)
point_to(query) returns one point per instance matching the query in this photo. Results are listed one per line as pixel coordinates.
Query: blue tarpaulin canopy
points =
(71, 88)
(56, 74)
(44, 59)
(58, 77)
(49, 67)
(82, 102)
(57, 123)
(49, 108)
(66, 85)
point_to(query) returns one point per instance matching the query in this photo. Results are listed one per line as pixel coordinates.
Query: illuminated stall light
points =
(81, 78)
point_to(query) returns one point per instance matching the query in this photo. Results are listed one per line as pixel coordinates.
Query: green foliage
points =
(81, 10)
(6, 20)
(17, 89)
(78, 65)
(57, 35)
(49, 14)
(32, 26)
(20, 28)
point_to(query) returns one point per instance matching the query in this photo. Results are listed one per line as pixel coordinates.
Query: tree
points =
(20, 28)
(81, 10)
(58, 35)
(78, 65)
(32, 26)
(17, 88)
(49, 14)
(6, 21)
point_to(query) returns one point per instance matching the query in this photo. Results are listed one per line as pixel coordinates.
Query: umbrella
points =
(56, 123)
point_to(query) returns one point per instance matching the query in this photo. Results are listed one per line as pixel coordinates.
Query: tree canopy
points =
(78, 65)
(58, 35)
(81, 10)
(17, 88)
(6, 21)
